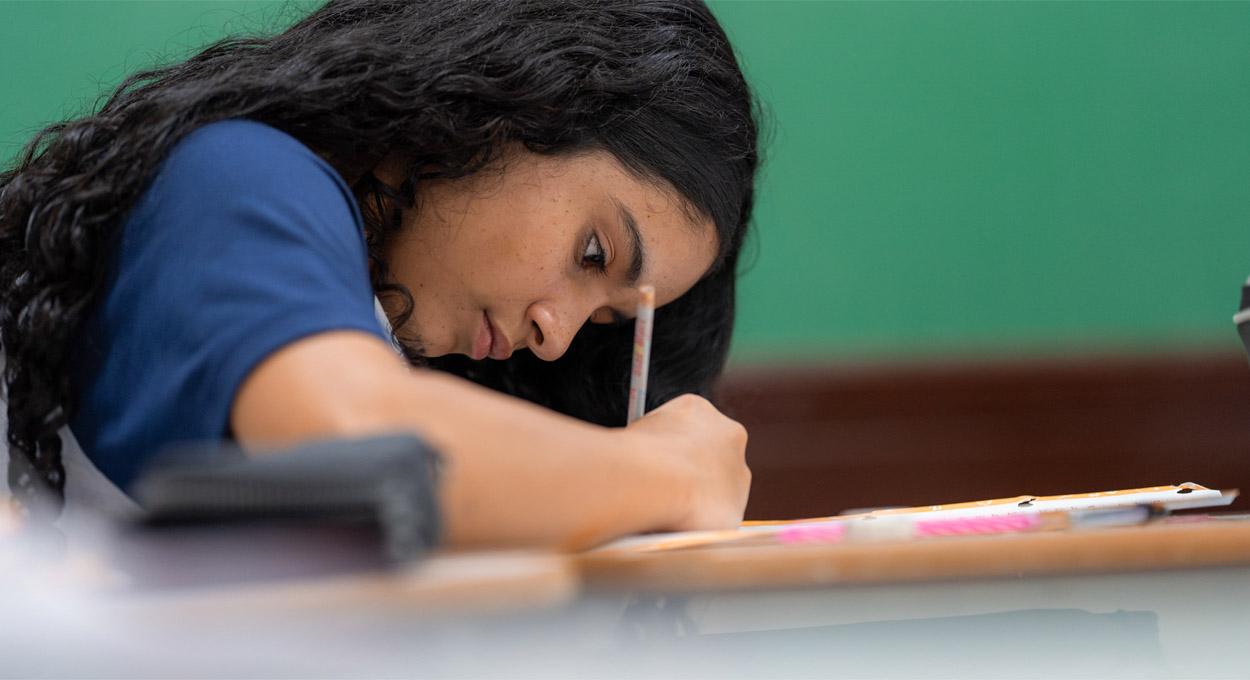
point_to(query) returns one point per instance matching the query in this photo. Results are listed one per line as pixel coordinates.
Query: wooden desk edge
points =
(753, 566)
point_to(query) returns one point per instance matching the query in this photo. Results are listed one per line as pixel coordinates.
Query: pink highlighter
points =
(900, 528)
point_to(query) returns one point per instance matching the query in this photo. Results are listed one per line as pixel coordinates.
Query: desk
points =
(1164, 600)
(1070, 622)
(753, 564)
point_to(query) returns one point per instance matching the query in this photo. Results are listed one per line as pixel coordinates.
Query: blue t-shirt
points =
(244, 242)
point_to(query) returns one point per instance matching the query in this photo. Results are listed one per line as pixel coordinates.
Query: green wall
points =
(944, 179)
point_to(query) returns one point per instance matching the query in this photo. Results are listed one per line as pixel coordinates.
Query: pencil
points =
(642, 354)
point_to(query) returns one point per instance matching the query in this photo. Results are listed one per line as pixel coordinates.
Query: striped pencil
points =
(642, 354)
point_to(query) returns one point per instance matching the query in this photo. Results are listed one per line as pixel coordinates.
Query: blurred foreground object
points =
(216, 514)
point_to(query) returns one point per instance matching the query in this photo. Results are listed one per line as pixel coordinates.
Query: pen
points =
(642, 354)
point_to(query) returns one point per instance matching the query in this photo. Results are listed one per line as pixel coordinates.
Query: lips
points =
(490, 342)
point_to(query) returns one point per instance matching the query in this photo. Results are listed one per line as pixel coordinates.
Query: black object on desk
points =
(214, 515)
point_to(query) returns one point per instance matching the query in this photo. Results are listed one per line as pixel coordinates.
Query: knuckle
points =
(683, 401)
(695, 400)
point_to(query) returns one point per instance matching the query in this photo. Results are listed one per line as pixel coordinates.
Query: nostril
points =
(538, 333)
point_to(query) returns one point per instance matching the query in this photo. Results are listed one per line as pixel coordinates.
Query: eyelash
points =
(598, 259)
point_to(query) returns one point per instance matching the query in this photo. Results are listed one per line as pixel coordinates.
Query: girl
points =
(200, 260)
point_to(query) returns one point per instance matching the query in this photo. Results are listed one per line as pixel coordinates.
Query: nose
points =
(550, 333)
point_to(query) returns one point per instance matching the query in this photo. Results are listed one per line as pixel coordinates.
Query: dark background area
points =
(825, 440)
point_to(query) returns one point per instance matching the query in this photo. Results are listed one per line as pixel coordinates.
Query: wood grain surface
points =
(762, 565)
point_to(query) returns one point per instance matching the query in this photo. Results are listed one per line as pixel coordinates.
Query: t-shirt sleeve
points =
(244, 242)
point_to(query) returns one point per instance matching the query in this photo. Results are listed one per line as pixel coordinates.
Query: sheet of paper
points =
(1170, 497)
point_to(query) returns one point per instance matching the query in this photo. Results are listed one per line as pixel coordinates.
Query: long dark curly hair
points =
(447, 84)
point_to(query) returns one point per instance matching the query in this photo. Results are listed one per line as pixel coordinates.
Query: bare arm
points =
(515, 473)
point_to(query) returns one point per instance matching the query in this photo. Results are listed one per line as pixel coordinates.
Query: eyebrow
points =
(638, 258)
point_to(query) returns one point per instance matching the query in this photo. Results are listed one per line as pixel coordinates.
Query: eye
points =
(593, 255)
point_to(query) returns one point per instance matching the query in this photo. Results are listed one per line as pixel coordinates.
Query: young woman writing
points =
(200, 259)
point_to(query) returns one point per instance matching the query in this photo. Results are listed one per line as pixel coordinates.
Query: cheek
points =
(424, 267)
(524, 255)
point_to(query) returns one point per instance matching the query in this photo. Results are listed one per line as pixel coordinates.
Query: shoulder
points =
(243, 160)
(243, 146)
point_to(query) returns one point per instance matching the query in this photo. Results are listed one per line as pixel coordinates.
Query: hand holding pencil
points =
(710, 455)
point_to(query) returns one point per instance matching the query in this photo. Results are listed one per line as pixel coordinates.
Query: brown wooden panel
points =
(829, 438)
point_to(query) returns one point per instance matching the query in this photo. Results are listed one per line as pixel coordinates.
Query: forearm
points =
(514, 473)
(517, 473)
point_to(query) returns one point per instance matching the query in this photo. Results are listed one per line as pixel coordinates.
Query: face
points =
(522, 255)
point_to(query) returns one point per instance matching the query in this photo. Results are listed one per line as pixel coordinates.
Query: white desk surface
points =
(526, 615)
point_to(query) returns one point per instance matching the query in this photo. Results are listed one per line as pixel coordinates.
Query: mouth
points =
(490, 342)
